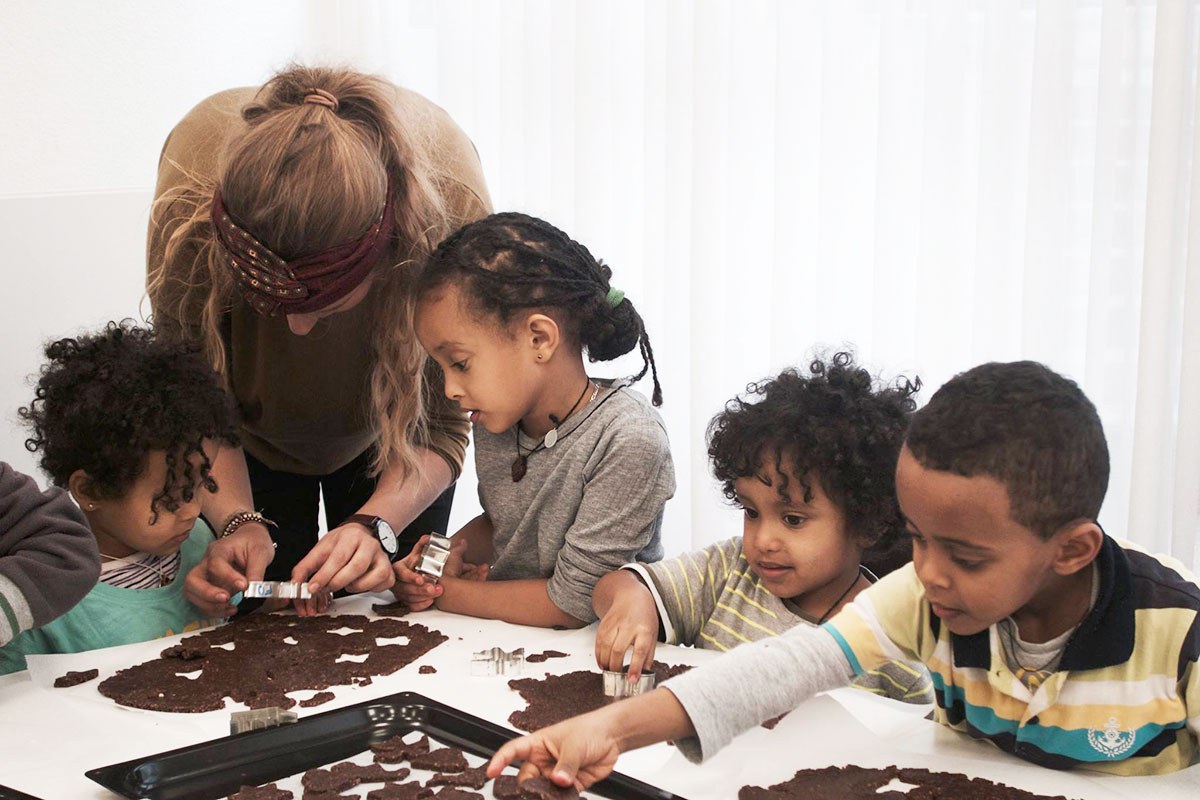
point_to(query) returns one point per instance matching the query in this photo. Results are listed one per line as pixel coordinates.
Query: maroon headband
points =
(307, 284)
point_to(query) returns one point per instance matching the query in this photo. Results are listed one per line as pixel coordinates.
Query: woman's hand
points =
(631, 621)
(228, 565)
(348, 557)
(415, 590)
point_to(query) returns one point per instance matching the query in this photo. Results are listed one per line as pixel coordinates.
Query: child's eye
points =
(794, 520)
(967, 565)
(750, 513)
(461, 366)
(917, 539)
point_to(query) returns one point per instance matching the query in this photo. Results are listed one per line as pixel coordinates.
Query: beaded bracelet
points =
(241, 518)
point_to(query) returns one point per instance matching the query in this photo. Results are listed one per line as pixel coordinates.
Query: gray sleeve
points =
(745, 686)
(48, 557)
(630, 479)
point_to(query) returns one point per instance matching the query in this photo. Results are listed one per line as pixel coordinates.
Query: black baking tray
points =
(218, 768)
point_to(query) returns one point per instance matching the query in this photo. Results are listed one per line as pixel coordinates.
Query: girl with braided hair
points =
(287, 224)
(573, 470)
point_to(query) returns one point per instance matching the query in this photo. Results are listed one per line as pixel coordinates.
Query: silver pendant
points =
(551, 438)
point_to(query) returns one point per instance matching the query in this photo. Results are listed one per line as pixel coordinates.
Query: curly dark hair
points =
(507, 263)
(1028, 427)
(836, 424)
(105, 400)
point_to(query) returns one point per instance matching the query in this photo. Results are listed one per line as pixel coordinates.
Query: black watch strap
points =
(373, 522)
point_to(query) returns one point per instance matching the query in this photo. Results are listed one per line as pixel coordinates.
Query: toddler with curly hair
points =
(810, 459)
(130, 425)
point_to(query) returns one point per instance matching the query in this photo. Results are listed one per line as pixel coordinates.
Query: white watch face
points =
(387, 537)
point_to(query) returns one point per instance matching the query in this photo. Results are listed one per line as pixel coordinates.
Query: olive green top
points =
(305, 400)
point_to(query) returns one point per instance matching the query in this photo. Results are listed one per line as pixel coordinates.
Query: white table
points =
(49, 737)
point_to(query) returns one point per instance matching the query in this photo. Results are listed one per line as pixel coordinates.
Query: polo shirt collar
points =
(1105, 638)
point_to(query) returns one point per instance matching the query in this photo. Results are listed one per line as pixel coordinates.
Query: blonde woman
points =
(287, 222)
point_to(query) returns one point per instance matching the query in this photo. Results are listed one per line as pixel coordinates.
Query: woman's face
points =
(301, 324)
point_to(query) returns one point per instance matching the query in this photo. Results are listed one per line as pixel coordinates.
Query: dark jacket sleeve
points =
(48, 557)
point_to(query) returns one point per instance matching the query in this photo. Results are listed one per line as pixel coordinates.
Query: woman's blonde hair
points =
(303, 177)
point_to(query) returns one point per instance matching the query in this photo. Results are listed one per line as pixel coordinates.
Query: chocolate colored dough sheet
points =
(443, 759)
(76, 678)
(400, 791)
(273, 655)
(505, 788)
(544, 789)
(268, 792)
(557, 697)
(860, 783)
(470, 778)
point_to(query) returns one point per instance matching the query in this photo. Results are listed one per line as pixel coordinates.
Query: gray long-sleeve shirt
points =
(586, 506)
(48, 557)
(755, 682)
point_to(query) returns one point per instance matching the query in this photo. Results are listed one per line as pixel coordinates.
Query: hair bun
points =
(611, 331)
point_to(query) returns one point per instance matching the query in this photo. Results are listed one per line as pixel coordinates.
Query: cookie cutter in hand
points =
(260, 719)
(617, 684)
(282, 589)
(432, 560)
(498, 661)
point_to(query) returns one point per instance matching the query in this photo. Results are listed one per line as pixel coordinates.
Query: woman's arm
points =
(349, 556)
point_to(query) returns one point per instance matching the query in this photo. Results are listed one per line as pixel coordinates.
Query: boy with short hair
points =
(1042, 634)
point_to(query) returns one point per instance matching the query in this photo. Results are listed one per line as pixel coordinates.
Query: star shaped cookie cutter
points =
(498, 661)
(617, 684)
(433, 556)
(258, 719)
(283, 589)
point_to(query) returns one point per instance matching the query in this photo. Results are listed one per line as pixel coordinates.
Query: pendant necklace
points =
(520, 463)
(862, 571)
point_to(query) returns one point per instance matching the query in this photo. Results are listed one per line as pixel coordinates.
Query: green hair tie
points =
(614, 297)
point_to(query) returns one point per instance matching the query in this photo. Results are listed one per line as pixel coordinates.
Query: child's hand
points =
(576, 753)
(415, 590)
(631, 621)
(475, 572)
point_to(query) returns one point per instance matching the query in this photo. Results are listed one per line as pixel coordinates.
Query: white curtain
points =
(935, 183)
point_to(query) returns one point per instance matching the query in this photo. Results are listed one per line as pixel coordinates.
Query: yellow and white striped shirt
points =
(1125, 697)
(711, 599)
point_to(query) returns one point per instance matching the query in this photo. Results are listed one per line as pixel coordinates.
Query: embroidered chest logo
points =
(1111, 740)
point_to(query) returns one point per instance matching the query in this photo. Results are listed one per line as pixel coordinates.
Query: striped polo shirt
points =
(1125, 697)
(711, 599)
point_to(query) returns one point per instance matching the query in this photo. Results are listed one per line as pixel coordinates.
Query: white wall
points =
(91, 91)
(937, 183)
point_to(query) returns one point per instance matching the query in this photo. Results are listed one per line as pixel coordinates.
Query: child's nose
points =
(929, 570)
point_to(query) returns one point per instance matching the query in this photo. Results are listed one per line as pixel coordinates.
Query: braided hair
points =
(507, 263)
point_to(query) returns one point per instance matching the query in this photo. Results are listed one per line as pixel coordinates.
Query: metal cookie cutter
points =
(617, 684)
(283, 589)
(433, 556)
(259, 719)
(497, 661)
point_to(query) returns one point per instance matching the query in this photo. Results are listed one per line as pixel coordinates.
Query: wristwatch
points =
(382, 531)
